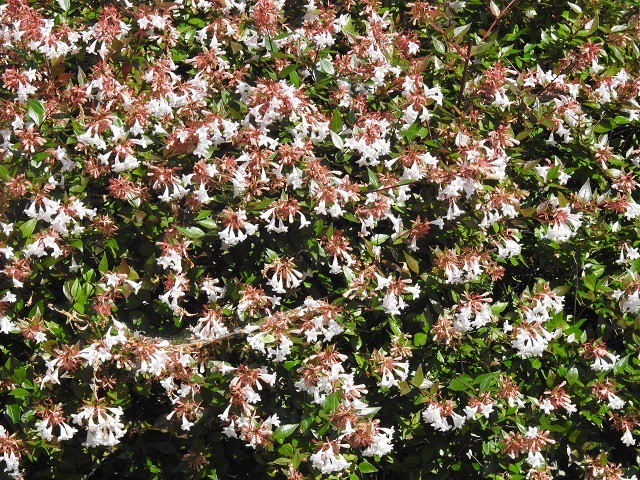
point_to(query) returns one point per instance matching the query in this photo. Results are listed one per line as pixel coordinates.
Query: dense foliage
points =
(368, 239)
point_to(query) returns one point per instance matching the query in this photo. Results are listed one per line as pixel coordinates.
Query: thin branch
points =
(76, 317)
(463, 83)
(472, 51)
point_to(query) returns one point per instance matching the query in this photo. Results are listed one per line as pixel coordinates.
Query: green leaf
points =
(593, 24)
(366, 467)
(103, 266)
(460, 31)
(325, 65)
(494, 8)
(438, 45)
(283, 431)
(412, 263)
(305, 424)
(295, 79)
(13, 411)
(418, 378)
(572, 375)
(191, 232)
(287, 70)
(487, 379)
(208, 223)
(28, 227)
(404, 387)
(35, 110)
(286, 450)
(337, 140)
(590, 282)
(379, 239)
(461, 383)
(20, 393)
(498, 308)
(420, 339)
(373, 178)
(331, 402)
(336, 121)
(575, 7)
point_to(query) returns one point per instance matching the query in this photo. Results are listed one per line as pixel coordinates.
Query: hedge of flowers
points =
(362, 239)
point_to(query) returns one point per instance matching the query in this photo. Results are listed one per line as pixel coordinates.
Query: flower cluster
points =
(261, 238)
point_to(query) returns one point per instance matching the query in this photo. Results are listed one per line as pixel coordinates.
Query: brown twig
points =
(76, 317)
(472, 51)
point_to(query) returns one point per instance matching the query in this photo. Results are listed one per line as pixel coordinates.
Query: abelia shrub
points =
(360, 239)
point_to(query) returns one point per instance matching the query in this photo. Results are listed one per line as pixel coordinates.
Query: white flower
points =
(186, 424)
(600, 364)
(458, 420)
(615, 402)
(210, 326)
(214, 292)
(45, 429)
(104, 427)
(470, 411)
(327, 461)
(10, 458)
(564, 226)
(94, 355)
(627, 438)
(66, 432)
(535, 459)
(7, 325)
(433, 416)
(486, 410)
(155, 363)
(500, 99)
(170, 260)
(457, 5)
(509, 249)
(382, 443)
(232, 235)
(546, 406)
(531, 343)
(399, 370)
(52, 373)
